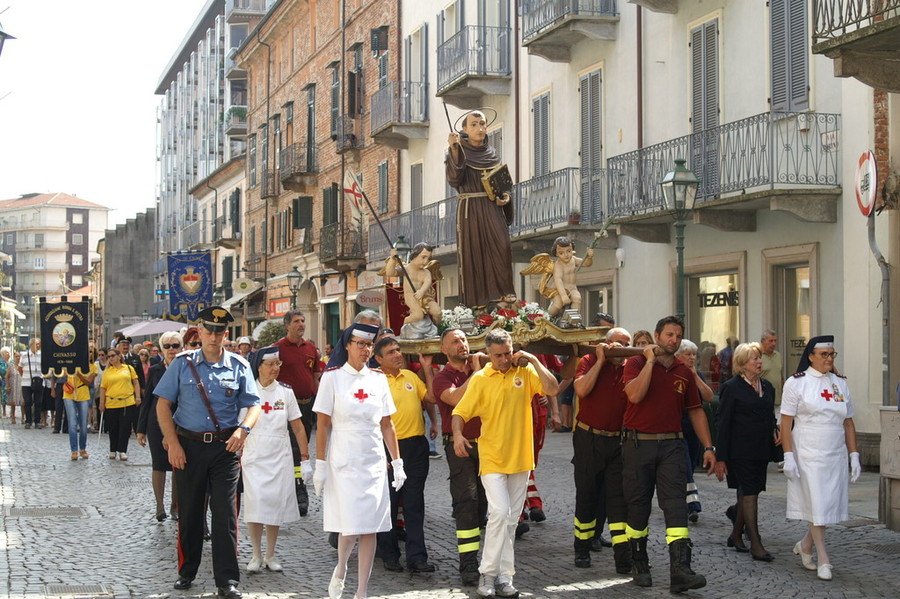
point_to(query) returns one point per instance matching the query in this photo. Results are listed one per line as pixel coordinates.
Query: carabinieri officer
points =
(207, 388)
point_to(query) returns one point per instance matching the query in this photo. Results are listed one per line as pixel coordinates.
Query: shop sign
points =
(795, 349)
(369, 279)
(279, 307)
(371, 298)
(334, 286)
(719, 299)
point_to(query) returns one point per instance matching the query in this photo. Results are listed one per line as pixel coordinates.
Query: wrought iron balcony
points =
(562, 198)
(241, 11)
(771, 160)
(399, 113)
(196, 236)
(552, 27)
(232, 70)
(474, 62)
(236, 121)
(863, 38)
(349, 134)
(340, 247)
(434, 223)
(297, 166)
(269, 186)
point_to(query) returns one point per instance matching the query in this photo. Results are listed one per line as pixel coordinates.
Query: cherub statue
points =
(423, 272)
(558, 282)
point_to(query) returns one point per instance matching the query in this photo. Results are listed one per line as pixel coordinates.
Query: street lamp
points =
(3, 37)
(294, 277)
(403, 248)
(680, 189)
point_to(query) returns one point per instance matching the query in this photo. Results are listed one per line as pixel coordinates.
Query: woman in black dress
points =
(148, 426)
(747, 436)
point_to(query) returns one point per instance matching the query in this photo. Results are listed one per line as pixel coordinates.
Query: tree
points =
(271, 333)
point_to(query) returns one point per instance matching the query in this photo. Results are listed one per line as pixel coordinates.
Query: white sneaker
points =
(335, 587)
(485, 586)
(505, 587)
(255, 565)
(824, 572)
(272, 564)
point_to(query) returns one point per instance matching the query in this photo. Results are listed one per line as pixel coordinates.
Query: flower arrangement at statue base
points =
(526, 313)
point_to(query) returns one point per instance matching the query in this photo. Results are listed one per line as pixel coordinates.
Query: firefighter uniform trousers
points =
(469, 503)
(660, 464)
(598, 469)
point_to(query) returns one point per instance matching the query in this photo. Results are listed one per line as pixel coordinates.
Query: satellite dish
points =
(244, 285)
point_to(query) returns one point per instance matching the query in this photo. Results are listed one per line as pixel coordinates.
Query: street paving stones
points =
(101, 538)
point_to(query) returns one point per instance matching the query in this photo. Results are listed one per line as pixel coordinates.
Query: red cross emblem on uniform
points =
(827, 395)
(361, 395)
(266, 407)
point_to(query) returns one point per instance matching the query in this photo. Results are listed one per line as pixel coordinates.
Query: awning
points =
(239, 297)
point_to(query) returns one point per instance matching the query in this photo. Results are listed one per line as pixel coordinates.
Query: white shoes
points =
(505, 588)
(335, 587)
(485, 586)
(255, 565)
(824, 572)
(807, 559)
(272, 564)
(123, 457)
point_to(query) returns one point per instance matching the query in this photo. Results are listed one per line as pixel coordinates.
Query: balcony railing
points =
(194, 235)
(236, 121)
(37, 222)
(237, 11)
(763, 151)
(548, 200)
(835, 18)
(399, 102)
(541, 15)
(476, 50)
(348, 134)
(297, 159)
(339, 242)
(269, 185)
(44, 246)
(434, 224)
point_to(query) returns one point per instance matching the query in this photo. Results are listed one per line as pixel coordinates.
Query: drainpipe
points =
(639, 25)
(887, 399)
(216, 202)
(265, 267)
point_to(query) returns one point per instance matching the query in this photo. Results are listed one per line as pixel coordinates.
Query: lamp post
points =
(680, 190)
(294, 277)
(403, 248)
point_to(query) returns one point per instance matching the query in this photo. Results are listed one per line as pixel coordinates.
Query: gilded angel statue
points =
(558, 282)
(423, 272)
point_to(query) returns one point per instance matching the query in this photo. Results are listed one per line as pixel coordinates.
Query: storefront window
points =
(795, 306)
(714, 323)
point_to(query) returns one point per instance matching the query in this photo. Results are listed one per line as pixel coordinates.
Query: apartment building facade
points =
(49, 238)
(312, 69)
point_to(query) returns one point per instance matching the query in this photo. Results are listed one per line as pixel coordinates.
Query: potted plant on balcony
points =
(574, 216)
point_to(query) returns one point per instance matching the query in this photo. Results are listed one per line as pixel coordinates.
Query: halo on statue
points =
(483, 110)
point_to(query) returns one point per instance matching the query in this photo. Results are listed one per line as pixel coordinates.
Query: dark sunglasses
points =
(194, 343)
(171, 345)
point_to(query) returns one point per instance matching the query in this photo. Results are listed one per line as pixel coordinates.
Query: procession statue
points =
(558, 278)
(418, 290)
(483, 215)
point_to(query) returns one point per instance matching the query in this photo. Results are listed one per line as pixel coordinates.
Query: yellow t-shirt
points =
(408, 390)
(503, 401)
(82, 391)
(119, 386)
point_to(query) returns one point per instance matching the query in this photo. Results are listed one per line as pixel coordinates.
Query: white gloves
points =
(306, 470)
(399, 474)
(790, 466)
(320, 476)
(855, 467)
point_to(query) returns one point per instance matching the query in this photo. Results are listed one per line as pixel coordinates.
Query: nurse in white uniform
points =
(267, 463)
(816, 401)
(354, 408)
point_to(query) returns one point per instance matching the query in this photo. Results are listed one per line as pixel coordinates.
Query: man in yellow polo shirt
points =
(409, 393)
(501, 395)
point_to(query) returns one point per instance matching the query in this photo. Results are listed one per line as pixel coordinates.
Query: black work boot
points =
(468, 568)
(622, 555)
(682, 578)
(302, 496)
(640, 562)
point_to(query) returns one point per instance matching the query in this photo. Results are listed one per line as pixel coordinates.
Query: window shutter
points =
(541, 109)
(303, 212)
(591, 148)
(779, 53)
(711, 74)
(329, 206)
(415, 186)
(441, 17)
(799, 56)
(423, 62)
(383, 187)
(460, 15)
(236, 210)
(335, 101)
(697, 79)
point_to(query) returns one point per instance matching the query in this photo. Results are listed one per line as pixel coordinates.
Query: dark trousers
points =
(32, 400)
(59, 410)
(414, 452)
(118, 423)
(659, 464)
(598, 479)
(209, 466)
(306, 417)
(469, 502)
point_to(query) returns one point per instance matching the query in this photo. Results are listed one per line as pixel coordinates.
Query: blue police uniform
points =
(230, 386)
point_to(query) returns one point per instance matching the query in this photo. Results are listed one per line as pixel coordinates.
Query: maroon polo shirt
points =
(671, 392)
(301, 363)
(604, 407)
(451, 378)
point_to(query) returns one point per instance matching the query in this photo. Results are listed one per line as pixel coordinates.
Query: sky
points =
(77, 102)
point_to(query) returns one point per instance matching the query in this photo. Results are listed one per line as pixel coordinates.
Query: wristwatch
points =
(245, 427)
(712, 449)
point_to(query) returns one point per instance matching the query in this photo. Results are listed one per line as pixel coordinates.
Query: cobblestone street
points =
(86, 528)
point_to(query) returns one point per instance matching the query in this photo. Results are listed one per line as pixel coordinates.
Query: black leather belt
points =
(206, 437)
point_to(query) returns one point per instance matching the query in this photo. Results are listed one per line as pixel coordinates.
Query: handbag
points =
(37, 383)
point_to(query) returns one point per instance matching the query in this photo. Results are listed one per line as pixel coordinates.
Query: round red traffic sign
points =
(866, 182)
